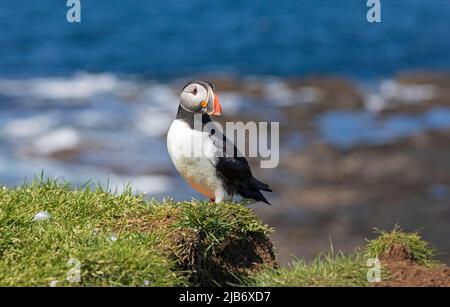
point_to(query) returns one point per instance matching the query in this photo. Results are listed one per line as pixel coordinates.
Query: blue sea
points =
(163, 39)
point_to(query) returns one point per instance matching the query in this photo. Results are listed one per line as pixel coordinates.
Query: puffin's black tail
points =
(252, 190)
(260, 185)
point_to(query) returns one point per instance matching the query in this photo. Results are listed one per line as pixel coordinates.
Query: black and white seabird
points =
(214, 175)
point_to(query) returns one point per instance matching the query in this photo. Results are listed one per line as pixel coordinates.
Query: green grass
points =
(420, 251)
(325, 271)
(125, 240)
(216, 223)
(84, 224)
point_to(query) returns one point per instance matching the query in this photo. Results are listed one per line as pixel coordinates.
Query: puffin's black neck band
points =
(188, 117)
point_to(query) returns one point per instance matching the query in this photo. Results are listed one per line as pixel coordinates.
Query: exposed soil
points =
(404, 271)
(223, 265)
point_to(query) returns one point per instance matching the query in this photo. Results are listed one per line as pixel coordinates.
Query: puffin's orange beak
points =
(217, 106)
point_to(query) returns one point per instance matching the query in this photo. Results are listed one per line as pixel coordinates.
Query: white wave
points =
(375, 103)
(153, 122)
(408, 93)
(151, 184)
(161, 96)
(308, 94)
(77, 87)
(231, 102)
(279, 93)
(28, 127)
(62, 139)
(390, 93)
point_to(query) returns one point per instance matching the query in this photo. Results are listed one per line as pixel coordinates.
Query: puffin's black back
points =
(237, 175)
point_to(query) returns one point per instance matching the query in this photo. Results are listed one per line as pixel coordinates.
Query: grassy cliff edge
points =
(51, 234)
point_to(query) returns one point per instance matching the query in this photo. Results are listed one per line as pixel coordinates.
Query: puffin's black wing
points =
(237, 176)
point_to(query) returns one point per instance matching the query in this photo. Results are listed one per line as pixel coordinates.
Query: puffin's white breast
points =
(193, 154)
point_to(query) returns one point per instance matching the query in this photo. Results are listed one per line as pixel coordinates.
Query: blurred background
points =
(364, 109)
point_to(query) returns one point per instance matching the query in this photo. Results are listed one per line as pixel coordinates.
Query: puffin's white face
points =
(199, 97)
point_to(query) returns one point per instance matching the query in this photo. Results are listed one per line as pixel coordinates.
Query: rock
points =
(41, 216)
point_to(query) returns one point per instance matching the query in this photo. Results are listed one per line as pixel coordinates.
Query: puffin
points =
(213, 173)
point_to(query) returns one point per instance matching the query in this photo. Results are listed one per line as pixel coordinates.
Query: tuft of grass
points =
(216, 223)
(230, 243)
(420, 250)
(326, 270)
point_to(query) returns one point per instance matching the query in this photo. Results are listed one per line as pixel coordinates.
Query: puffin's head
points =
(199, 97)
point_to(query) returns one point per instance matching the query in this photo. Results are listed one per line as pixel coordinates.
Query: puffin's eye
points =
(194, 91)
